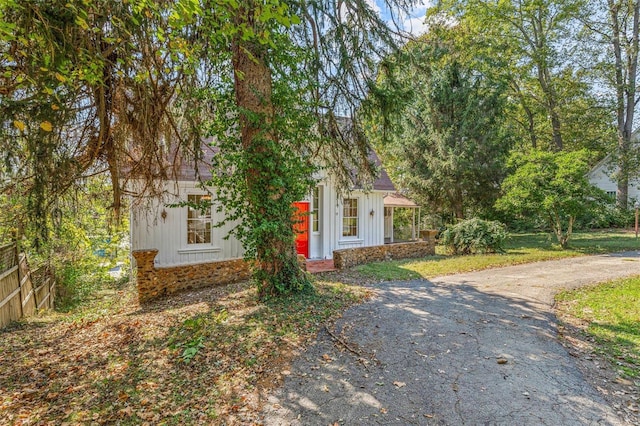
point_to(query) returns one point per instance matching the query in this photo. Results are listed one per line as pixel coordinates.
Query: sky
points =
(414, 23)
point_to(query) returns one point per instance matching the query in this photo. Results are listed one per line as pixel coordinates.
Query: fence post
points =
(17, 260)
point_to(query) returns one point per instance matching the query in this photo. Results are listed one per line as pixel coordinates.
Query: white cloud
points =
(411, 22)
(415, 26)
(414, 22)
(374, 6)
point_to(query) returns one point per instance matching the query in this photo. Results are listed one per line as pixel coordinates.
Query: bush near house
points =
(475, 236)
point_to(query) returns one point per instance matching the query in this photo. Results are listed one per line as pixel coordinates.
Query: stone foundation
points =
(347, 258)
(156, 282)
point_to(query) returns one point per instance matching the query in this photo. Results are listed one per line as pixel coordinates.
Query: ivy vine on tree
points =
(113, 87)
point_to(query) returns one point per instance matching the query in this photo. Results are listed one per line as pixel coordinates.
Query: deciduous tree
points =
(552, 186)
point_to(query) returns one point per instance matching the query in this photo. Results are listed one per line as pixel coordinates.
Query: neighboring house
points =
(602, 176)
(184, 236)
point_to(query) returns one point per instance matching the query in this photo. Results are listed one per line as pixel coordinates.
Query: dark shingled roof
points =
(383, 181)
(188, 170)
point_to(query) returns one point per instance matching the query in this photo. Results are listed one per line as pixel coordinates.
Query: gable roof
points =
(606, 161)
(383, 181)
(190, 169)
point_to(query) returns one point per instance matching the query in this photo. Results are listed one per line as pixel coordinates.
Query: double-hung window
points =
(350, 217)
(315, 210)
(199, 219)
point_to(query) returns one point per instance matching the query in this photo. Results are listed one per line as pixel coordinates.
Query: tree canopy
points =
(117, 86)
(553, 185)
(447, 142)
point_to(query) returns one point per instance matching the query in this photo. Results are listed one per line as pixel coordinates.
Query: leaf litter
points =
(203, 357)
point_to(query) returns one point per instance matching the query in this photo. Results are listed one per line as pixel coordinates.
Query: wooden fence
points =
(22, 292)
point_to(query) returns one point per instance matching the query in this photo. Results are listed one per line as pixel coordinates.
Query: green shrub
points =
(609, 216)
(475, 236)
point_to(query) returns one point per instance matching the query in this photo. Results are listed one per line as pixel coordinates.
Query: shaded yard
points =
(205, 357)
(195, 358)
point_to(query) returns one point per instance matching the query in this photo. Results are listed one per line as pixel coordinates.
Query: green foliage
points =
(607, 216)
(445, 140)
(128, 87)
(275, 123)
(519, 249)
(88, 89)
(256, 180)
(86, 243)
(473, 236)
(612, 311)
(191, 349)
(551, 102)
(551, 186)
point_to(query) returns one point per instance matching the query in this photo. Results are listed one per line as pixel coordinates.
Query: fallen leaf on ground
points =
(399, 384)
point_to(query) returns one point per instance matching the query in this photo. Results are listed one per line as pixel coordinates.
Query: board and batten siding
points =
(168, 234)
(370, 227)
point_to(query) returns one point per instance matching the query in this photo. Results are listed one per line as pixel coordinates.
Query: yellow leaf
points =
(61, 78)
(55, 107)
(46, 126)
(19, 125)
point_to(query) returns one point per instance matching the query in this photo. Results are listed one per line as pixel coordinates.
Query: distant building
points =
(602, 176)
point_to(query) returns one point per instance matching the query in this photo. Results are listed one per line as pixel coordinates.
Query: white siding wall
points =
(169, 235)
(600, 177)
(370, 227)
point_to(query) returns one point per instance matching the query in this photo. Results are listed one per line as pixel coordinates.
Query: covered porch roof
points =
(393, 199)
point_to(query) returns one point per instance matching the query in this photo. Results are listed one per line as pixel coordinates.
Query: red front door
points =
(301, 227)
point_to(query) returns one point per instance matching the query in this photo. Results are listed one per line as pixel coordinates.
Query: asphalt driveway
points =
(468, 349)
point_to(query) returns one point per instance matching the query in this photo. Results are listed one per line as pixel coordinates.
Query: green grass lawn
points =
(610, 313)
(520, 248)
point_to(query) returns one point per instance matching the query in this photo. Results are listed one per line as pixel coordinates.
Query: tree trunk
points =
(540, 45)
(556, 225)
(625, 80)
(276, 269)
(457, 203)
(550, 97)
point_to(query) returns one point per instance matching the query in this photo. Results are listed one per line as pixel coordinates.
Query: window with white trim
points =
(350, 217)
(315, 210)
(199, 219)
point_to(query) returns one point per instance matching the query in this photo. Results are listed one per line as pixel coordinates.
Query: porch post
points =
(392, 209)
(413, 225)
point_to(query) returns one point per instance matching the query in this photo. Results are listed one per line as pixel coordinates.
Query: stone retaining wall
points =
(156, 282)
(347, 258)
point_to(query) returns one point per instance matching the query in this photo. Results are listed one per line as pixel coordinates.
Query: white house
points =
(184, 236)
(602, 176)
